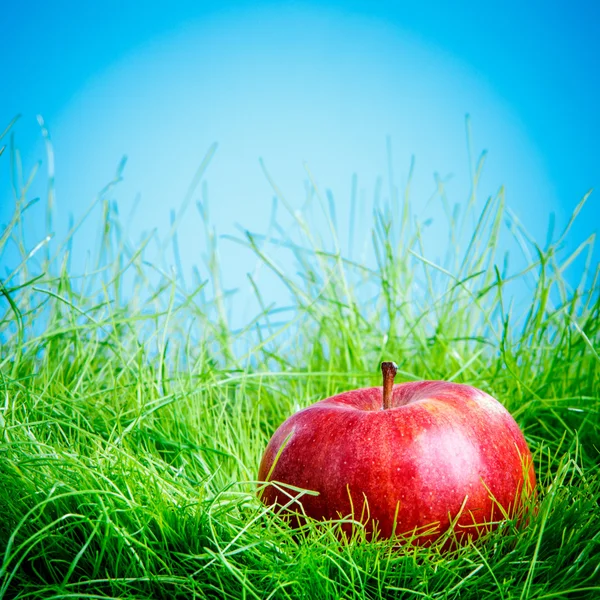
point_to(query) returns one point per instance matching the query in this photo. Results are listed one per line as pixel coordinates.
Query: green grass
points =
(133, 416)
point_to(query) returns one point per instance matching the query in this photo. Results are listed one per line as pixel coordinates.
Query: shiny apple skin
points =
(441, 447)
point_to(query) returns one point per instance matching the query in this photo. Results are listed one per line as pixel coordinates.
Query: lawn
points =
(133, 414)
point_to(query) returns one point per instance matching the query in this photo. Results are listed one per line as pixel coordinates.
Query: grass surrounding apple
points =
(414, 459)
(133, 415)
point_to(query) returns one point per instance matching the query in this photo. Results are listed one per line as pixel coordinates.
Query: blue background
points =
(322, 83)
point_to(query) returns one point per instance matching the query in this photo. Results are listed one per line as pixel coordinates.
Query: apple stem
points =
(389, 370)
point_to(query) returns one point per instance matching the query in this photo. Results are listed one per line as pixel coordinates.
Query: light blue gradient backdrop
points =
(321, 83)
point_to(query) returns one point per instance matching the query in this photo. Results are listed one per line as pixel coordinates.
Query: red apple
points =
(417, 457)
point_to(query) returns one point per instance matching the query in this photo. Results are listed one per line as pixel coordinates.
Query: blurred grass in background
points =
(133, 415)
